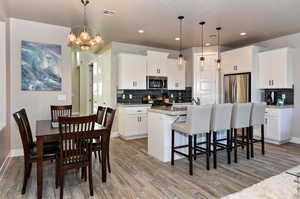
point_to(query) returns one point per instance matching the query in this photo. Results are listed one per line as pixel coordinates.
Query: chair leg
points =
(56, 173)
(251, 142)
(215, 148)
(263, 139)
(85, 174)
(99, 156)
(172, 147)
(191, 153)
(91, 179)
(247, 141)
(207, 150)
(243, 138)
(108, 162)
(229, 146)
(195, 144)
(235, 145)
(95, 153)
(25, 179)
(209, 144)
(61, 182)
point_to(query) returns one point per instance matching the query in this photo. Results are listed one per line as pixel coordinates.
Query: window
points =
(2, 76)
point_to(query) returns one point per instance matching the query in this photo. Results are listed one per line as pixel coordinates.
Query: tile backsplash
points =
(179, 96)
(289, 95)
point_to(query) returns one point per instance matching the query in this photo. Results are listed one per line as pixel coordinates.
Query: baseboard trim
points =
(16, 153)
(133, 137)
(115, 134)
(295, 140)
(4, 166)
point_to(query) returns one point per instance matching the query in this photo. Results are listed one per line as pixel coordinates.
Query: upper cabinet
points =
(176, 75)
(238, 60)
(132, 71)
(157, 63)
(276, 69)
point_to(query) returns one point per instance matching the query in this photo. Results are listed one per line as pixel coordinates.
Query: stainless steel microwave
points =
(155, 82)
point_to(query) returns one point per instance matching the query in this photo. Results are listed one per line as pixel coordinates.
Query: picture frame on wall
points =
(40, 66)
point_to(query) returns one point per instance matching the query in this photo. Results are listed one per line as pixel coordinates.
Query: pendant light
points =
(180, 57)
(202, 58)
(219, 51)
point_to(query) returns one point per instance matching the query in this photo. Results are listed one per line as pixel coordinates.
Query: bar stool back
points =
(240, 119)
(221, 121)
(258, 119)
(197, 122)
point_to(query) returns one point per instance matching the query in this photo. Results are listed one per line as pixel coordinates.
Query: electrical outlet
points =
(172, 95)
(123, 96)
(130, 96)
(283, 96)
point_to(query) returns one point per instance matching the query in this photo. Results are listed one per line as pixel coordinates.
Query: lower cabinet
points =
(278, 122)
(133, 122)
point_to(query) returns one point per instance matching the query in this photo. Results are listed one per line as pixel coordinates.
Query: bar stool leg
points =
(191, 153)
(172, 147)
(263, 139)
(251, 141)
(209, 144)
(247, 140)
(215, 148)
(195, 144)
(235, 145)
(243, 138)
(207, 150)
(229, 146)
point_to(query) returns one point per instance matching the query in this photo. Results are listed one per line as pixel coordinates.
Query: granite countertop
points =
(280, 107)
(168, 110)
(134, 105)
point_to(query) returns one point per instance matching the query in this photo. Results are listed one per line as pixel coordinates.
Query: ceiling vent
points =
(109, 12)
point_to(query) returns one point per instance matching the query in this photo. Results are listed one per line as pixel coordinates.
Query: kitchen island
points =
(160, 121)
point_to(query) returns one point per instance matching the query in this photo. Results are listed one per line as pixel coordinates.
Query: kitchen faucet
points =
(197, 100)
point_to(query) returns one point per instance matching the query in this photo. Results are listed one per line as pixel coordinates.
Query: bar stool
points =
(221, 121)
(197, 122)
(258, 119)
(240, 119)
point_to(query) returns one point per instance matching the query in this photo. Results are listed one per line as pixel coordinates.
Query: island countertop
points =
(173, 111)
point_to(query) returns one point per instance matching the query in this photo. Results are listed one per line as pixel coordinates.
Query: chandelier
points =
(83, 38)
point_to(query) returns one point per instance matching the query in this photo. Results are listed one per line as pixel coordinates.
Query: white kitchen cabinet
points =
(157, 63)
(276, 69)
(278, 122)
(176, 75)
(133, 122)
(132, 71)
(238, 60)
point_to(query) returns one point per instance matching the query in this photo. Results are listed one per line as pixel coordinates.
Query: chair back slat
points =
(109, 118)
(60, 111)
(24, 130)
(76, 138)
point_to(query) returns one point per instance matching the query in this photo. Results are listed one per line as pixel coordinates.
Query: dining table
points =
(45, 133)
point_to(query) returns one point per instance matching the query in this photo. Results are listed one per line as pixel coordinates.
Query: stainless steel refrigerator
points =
(237, 88)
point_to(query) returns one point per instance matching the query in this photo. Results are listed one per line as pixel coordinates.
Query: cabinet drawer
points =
(136, 110)
(273, 112)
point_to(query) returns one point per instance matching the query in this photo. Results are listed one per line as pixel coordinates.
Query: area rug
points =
(281, 186)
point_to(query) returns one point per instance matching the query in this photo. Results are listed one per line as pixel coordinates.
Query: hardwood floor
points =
(137, 175)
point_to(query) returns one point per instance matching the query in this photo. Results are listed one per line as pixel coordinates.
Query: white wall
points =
(37, 104)
(3, 74)
(292, 41)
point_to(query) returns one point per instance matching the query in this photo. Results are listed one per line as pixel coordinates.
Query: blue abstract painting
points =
(41, 66)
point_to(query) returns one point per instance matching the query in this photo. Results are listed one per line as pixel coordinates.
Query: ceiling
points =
(261, 19)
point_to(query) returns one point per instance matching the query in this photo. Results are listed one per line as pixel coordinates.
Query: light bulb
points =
(180, 59)
(98, 39)
(219, 63)
(84, 47)
(93, 42)
(71, 37)
(84, 36)
(78, 41)
(202, 60)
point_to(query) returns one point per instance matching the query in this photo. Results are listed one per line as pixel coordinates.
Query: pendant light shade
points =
(202, 58)
(180, 57)
(219, 51)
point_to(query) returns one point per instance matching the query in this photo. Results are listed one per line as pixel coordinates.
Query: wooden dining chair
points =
(108, 122)
(101, 114)
(75, 147)
(29, 146)
(59, 111)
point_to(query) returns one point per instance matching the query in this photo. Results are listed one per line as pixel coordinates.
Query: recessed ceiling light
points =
(207, 44)
(141, 31)
(243, 33)
(177, 38)
(109, 12)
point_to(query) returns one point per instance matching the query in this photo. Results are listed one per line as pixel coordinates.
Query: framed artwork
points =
(40, 66)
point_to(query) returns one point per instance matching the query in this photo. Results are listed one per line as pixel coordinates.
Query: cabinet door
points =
(265, 70)
(132, 71)
(143, 124)
(132, 125)
(273, 129)
(156, 63)
(279, 68)
(176, 75)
